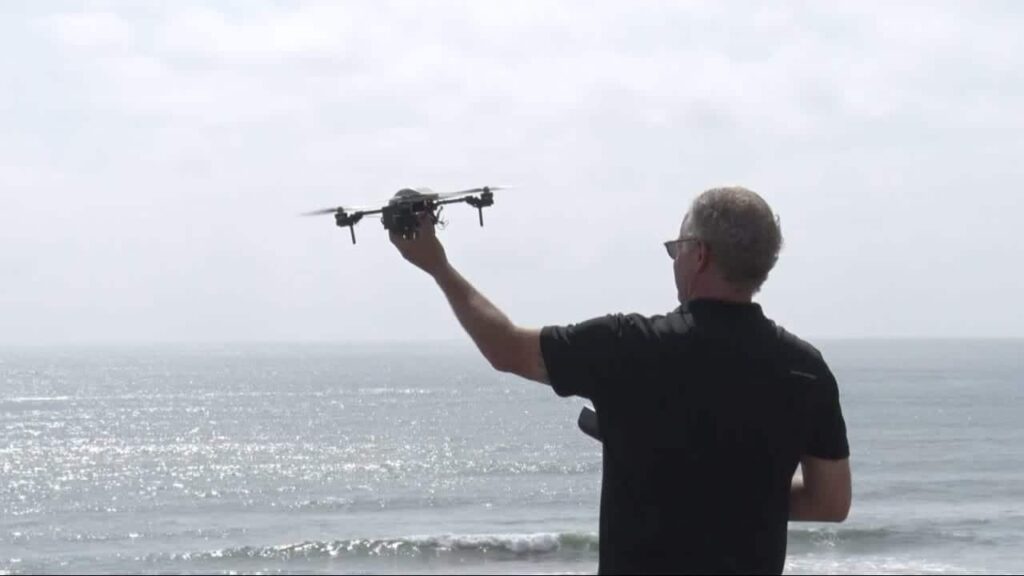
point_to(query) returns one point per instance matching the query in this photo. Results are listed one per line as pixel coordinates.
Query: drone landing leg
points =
(480, 209)
(352, 231)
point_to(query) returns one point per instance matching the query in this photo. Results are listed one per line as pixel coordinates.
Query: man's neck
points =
(723, 292)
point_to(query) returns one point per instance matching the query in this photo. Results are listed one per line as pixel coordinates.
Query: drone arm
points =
(451, 201)
(477, 202)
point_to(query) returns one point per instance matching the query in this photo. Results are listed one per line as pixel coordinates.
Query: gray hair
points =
(741, 232)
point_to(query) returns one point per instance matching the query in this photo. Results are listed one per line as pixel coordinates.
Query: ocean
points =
(421, 459)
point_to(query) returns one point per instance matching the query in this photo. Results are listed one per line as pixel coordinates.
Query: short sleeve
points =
(582, 358)
(827, 433)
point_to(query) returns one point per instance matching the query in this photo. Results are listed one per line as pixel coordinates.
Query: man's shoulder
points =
(799, 349)
(671, 325)
(796, 343)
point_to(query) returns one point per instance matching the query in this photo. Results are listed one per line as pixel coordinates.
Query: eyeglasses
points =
(672, 246)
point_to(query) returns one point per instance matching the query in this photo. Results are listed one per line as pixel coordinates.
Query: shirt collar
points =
(723, 307)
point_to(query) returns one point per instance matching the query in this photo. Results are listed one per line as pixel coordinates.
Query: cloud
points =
(159, 146)
(305, 30)
(92, 30)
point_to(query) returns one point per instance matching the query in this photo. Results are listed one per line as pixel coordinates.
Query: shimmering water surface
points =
(318, 458)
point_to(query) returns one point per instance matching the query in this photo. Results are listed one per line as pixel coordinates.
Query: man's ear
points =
(703, 257)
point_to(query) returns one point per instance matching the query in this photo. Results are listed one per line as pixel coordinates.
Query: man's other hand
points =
(425, 251)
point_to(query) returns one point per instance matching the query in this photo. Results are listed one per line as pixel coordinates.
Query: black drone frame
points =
(402, 214)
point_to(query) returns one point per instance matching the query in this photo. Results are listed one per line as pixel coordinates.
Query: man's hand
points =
(425, 251)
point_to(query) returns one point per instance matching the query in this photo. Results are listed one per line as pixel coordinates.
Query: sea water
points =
(421, 458)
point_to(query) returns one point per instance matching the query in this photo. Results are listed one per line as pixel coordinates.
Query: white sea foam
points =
(22, 399)
(465, 546)
(874, 565)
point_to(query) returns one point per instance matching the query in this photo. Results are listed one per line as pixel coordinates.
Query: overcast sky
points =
(153, 157)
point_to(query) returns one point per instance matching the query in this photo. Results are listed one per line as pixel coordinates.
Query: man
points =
(705, 412)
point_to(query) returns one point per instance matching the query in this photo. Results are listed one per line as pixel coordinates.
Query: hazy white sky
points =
(153, 157)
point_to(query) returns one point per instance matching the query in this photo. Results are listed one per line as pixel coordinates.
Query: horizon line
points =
(433, 341)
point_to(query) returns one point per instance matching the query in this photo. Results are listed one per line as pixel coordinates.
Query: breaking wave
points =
(556, 546)
(562, 546)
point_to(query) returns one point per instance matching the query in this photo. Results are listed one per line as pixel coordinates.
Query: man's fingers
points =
(427, 222)
(425, 227)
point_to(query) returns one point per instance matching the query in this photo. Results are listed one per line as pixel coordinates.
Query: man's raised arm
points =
(507, 347)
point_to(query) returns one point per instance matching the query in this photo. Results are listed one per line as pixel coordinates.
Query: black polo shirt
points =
(705, 413)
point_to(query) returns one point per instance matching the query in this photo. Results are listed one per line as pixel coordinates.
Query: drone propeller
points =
(472, 191)
(324, 211)
(321, 212)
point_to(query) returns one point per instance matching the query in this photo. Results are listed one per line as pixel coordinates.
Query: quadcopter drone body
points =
(403, 212)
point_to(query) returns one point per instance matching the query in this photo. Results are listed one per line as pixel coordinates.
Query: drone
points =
(404, 209)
